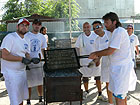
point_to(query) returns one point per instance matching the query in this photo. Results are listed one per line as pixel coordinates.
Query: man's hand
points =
(93, 56)
(97, 61)
(35, 60)
(26, 61)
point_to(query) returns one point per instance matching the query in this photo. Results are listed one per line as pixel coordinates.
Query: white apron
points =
(35, 75)
(16, 84)
(122, 78)
(105, 69)
(103, 44)
(89, 72)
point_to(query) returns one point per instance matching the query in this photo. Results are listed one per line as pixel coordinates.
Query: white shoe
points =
(102, 98)
(85, 95)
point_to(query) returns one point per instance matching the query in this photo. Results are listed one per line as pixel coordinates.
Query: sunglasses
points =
(97, 27)
(129, 28)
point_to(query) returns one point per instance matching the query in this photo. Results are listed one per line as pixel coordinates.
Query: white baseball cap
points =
(23, 20)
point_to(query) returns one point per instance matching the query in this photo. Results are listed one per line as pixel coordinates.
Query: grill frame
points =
(62, 88)
(47, 56)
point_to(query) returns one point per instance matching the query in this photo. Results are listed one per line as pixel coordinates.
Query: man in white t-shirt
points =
(122, 75)
(15, 49)
(101, 43)
(134, 43)
(84, 46)
(37, 46)
(43, 31)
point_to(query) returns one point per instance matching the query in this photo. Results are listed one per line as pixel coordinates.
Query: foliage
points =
(13, 10)
(3, 27)
(60, 9)
(51, 8)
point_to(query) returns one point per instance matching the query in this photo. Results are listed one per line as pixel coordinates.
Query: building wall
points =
(98, 8)
(54, 26)
(51, 26)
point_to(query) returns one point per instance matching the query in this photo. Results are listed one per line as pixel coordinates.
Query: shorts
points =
(85, 79)
(97, 78)
(120, 96)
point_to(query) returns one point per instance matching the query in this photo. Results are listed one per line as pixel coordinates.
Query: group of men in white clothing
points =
(111, 50)
(23, 50)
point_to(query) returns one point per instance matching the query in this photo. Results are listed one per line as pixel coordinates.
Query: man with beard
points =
(122, 76)
(14, 51)
(37, 47)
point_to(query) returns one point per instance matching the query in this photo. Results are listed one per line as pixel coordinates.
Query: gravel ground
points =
(133, 97)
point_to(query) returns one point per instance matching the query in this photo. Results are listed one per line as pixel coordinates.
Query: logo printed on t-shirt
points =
(35, 45)
(131, 40)
(26, 46)
(107, 40)
(91, 41)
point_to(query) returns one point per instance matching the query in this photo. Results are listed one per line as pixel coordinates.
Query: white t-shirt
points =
(134, 42)
(46, 37)
(37, 42)
(86, 46)
(122, 76)
(16, 46)
(120, 41)
(102, 43)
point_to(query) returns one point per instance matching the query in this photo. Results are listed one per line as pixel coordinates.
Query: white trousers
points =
(16, 84)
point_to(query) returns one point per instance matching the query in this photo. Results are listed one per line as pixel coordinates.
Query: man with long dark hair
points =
(122, 76)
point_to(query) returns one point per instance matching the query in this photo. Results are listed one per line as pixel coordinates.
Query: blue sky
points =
(2, 3)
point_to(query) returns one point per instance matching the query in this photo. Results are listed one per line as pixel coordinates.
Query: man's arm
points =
(137, 50)
(9, 57)
(104, 52)
(42, 50)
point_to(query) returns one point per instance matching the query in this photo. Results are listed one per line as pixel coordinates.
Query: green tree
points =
(33, 6)
(60, 9)
(51, 8)
(3, 27)
(14, 9)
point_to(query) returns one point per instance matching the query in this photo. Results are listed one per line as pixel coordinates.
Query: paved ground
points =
(133, 97)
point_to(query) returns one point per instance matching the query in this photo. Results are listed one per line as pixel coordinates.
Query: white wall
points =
(51, 26)
(98, 8)
(54, 26)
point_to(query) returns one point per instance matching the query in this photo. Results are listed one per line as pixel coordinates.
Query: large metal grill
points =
(62, 81)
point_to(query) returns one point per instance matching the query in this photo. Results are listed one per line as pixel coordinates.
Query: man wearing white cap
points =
(134, 42)
(14, 51)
